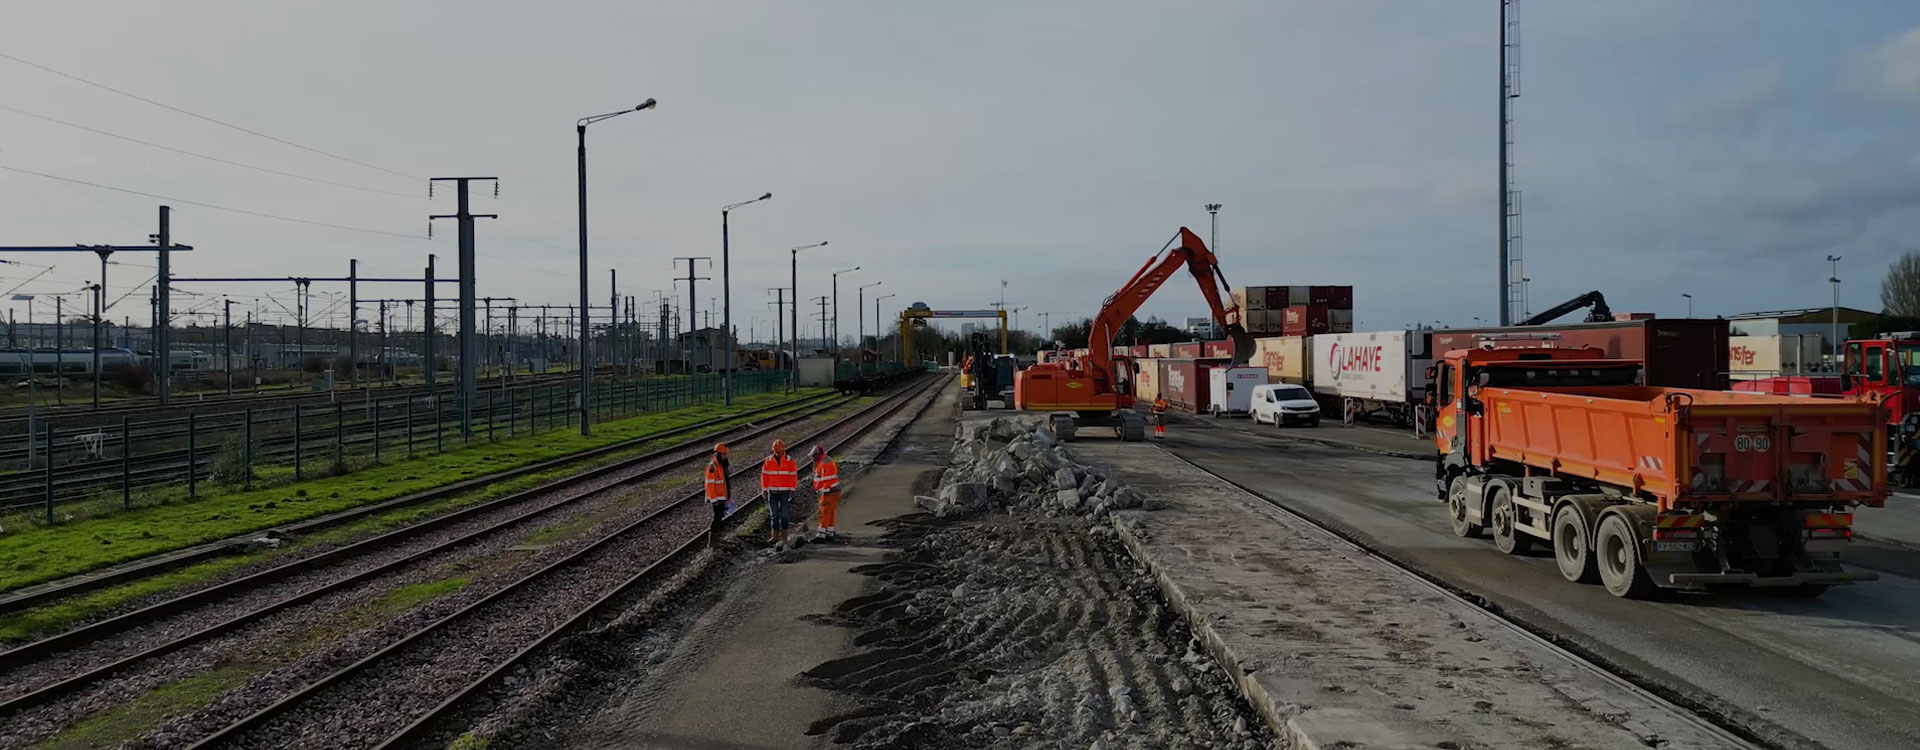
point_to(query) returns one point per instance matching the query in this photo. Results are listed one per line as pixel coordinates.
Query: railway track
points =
(45, 594)
(400, 431)
(40, 675)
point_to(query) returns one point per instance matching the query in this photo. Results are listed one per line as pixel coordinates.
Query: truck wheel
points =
(1457, 509)
(1571, 546)
(1505, 537)
(1619, 560)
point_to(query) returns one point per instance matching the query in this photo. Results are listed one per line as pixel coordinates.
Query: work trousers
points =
(829, 503)
(777, 502)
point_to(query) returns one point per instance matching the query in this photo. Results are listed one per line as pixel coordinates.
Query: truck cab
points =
(1886, 370)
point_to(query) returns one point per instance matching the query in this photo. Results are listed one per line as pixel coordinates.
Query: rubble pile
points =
(1014, 463)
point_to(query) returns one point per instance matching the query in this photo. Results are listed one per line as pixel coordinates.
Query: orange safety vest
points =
(716, 481)
(826, 475)
(779, 473)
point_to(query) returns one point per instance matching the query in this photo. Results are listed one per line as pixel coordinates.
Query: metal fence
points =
(52, 465)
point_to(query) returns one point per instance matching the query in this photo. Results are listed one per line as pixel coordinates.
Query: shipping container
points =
(1285, 358)
(1188, 350)
(1384, 372)
(1306, 320)
(1146, 382)
(1252, 298)
(1184, 384)
(1678, 352)
(1138, 351)
(1159, 351)
(1339, 321)
(1119, 351)
(1334, 297)
(1632, 316)
(1222, 349)
(1298, 295)
(1264, 322)
(1230, 390)
(1791, 385)
(1751, 357)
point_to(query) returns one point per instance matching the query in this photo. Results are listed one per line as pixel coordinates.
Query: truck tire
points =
(1617, 553)
(1504, 517)
(1457, 509)
(1573, 546)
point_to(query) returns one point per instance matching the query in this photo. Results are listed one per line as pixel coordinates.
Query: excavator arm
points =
(1185, 249)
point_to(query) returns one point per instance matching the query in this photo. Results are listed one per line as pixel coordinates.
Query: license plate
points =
(1675, 546)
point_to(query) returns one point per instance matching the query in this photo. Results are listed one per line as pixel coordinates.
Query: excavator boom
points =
(1091, 385)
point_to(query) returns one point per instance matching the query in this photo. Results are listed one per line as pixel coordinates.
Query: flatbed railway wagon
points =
(1644, 488)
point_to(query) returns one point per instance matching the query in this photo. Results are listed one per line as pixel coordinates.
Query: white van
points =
(1284, 403)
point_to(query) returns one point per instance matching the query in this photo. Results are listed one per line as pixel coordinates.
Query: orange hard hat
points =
(720, 448)
(779, 446)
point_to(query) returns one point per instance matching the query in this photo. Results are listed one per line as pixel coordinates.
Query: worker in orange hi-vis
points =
(779, 477)
(1159, 418)
(826, 487)
(716, 476)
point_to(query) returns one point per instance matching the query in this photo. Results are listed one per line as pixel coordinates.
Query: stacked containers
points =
(1260, 308)
(1188, 350)
(1295, 310)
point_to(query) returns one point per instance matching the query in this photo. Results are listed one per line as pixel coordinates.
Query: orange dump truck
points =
(1641, 487)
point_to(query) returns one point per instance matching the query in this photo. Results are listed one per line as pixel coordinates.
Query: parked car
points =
(1282, 403)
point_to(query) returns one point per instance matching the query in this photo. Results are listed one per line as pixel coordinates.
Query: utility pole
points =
(823, 318)
(780, 321)
(163, 310)
(426, 330)
(226, 346)
(693, 302)
(613, 320)
(353, 323)
(469, 345)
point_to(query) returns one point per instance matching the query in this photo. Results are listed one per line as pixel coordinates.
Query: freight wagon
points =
(1682, 353)
(1380, 374)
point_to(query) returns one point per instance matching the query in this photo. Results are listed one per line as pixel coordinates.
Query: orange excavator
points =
(1096, 390)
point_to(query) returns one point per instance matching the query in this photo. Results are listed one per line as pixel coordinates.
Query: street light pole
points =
(836, 315)
(793, 285)
(1689, 303)
(860, 339)
(1213, 240)
(1834, 280)
(726, 295)
(586, 372)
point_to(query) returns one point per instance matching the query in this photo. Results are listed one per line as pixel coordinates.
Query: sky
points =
(1662, 147)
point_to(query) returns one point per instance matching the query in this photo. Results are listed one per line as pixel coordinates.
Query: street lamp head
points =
(648, 104)
(1213, 207)
(768, 196)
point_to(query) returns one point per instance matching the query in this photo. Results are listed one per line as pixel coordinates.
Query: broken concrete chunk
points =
(1063, 479)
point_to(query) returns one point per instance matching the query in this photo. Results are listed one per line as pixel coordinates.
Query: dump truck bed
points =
(1687, 448)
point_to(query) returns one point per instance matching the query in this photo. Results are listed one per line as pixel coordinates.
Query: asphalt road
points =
(1839, 672)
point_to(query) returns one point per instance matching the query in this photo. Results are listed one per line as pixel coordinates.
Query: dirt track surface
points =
(1022, 631)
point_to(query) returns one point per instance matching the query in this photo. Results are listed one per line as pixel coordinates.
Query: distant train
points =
(15, 362)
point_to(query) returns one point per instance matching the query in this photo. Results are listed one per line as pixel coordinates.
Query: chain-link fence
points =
(53, 465)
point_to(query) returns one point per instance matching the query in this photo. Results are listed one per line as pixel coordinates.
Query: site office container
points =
(1188, 350)
(1286, 358)
(1382, 372)
(1682, 353)
(1750, 357)
(1159, 351)
(1710, 487)
(1230, 389)
(1306, 320)
(1219, 349)
(1146, 380)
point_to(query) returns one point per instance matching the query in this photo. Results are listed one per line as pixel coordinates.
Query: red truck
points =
(1645, 487)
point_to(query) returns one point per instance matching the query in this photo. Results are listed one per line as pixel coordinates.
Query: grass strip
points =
(36, 554)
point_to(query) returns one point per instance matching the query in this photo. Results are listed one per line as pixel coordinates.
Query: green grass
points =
(29, 624)
(136, 717)
(403, 598)
(39, 553)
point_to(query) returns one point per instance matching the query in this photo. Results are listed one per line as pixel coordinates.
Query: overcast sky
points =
(1721, 149)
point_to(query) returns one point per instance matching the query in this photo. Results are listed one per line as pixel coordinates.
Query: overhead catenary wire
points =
(216, 159)
(199, 116)
(215, 207)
